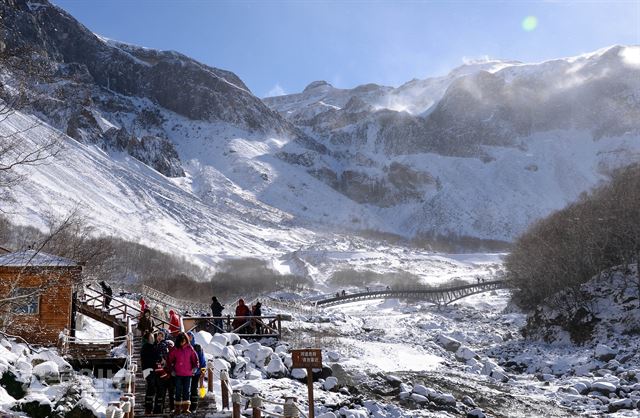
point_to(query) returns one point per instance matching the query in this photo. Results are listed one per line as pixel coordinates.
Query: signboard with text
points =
(308, 358)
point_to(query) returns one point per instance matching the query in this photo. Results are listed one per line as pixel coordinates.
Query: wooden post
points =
(235, 413)
(310, 390)
(290, 410)
(256, 404)
(279, 327)
(127, 407)
(224, 391)
(210, 376)
(308, 358)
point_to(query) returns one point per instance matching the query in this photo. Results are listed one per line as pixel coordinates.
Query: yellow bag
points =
(202, 391)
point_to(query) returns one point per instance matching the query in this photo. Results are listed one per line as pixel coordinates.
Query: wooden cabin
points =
(36, 295)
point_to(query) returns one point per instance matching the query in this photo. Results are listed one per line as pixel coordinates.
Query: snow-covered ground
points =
(393, 358)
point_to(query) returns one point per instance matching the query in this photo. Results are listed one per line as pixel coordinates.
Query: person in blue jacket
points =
(197, 376)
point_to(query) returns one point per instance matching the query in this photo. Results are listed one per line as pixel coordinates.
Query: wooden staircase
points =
(118, 323)
(206, 405)
(88, 351)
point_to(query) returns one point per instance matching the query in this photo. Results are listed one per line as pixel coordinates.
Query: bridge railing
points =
(408, 292)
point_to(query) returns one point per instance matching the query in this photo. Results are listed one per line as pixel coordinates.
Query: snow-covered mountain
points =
(182, 156)
(482, 151)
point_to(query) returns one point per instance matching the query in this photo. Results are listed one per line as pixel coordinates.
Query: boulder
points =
(419, 398)
(605, 353)
(220, 339)
(444, 399)
(424, 391)
(14, 387)
(80, 411)
(476, 413)
(582, 387)
(34, 409)
(467, 400)
(615, 406)
(249, 390)
(47, 372)
(603, 386)
(464, 353)
(275, 367)
(330, 383)
(448, 343)
(299, 374)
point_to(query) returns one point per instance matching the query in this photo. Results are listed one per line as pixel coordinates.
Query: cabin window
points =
(29, 305)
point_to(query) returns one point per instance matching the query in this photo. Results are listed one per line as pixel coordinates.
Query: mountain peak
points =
(317, 84)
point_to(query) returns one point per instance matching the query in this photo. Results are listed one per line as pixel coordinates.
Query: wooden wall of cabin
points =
(54, 314)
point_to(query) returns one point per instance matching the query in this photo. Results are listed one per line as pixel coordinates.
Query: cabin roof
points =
(32, 258)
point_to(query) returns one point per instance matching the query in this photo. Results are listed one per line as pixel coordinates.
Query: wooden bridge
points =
(437, 295)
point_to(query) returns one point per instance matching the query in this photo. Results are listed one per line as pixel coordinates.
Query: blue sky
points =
(281, 46)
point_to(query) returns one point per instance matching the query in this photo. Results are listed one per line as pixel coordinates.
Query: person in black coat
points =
(108, 294)
(257, 311)
(149, 359)
(216, 311)
(145, 323)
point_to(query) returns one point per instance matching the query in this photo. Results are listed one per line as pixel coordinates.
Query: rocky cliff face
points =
(480, 152)
(113, 94)
(464, 114)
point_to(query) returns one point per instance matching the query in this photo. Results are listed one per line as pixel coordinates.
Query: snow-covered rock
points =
(419, 398)
(330, 383)
(476, 413)
(47, 372)
(450, 344)
(299, 374)
(603, 386)
(275, 367)
(221, 339)
(465, 353)
(605, 353)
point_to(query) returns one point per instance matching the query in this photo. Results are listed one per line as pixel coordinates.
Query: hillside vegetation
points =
(566, 249)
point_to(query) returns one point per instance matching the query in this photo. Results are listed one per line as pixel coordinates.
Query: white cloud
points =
(276, 90)
(476, 60)
(631, 56)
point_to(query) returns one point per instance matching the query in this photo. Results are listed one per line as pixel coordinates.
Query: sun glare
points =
(529, 23)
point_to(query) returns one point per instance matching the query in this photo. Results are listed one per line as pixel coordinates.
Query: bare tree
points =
(566, 249)
(16, 152)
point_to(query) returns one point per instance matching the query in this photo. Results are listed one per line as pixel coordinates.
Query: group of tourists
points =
(175, 366)
(246, 319)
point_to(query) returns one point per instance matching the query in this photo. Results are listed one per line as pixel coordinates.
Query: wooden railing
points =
(250, 326)
(173, 302)
(120, 308)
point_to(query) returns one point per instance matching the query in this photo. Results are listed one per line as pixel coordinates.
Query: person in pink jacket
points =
(182, 361)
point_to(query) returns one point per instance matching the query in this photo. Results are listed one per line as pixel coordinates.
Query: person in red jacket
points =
(174, 324)
(241, 311)
(182, 361)
(143, 306)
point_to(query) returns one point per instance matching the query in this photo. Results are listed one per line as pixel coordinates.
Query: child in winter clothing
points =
(182, 361)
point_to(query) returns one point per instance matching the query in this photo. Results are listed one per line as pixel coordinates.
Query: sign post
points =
(308, 358)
